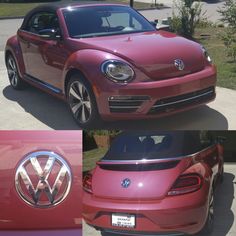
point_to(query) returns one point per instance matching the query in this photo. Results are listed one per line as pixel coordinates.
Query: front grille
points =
(126, 104)
(181, 101)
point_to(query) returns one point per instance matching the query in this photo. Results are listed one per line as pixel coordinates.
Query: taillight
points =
(186, 184)
(87, 182)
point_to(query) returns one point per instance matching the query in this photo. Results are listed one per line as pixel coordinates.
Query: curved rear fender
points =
(88, 62)
(13, 47)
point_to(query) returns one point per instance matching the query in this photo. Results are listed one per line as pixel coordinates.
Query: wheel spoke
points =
(83, 118)
(12, 64)
(81, 90)
(10, 71)
(14, 80)
(88, 105)
(74, 94)
(76, 107)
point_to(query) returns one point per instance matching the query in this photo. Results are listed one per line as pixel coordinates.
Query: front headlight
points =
(207, 56)
(117, 71)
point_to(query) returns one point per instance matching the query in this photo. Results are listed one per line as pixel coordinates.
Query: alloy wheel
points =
(12, 71)
(80, 102)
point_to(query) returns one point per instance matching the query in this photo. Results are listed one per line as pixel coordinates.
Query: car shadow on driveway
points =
(51, 111)
(55, 114)
(224, 197)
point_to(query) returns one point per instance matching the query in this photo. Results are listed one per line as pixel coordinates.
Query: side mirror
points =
(153, 23)
(49, 34)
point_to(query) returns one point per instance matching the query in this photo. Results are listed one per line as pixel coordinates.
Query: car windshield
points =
(143, 146)
(94, 21)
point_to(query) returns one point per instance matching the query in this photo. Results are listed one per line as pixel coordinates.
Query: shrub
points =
(228, 13)
(187, 17)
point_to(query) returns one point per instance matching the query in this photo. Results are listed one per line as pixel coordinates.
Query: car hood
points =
(153, 53)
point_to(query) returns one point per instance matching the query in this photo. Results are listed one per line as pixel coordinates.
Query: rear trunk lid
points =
(144, 165)
(137, 180)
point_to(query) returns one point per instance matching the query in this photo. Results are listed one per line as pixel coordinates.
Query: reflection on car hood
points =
(153, 52)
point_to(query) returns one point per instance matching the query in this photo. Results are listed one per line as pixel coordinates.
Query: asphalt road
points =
(225, 207)
(33, 109)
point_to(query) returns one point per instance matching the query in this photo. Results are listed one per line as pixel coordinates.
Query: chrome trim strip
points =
(157, 160)
(28, 32)
(118, 107)
(46, 85)
(131, 100)
(183, 100)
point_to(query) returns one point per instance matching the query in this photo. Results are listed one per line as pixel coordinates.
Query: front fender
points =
(89, 62)
(13, 46)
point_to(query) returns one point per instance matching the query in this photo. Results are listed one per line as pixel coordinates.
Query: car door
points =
(44, 58)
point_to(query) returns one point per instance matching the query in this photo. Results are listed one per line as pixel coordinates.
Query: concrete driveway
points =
(33, 109)
(225, 207)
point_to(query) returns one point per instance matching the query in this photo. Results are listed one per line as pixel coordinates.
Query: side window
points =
(41, 21)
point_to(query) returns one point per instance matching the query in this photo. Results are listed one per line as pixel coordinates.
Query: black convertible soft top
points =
(53, 7)
(151, 145)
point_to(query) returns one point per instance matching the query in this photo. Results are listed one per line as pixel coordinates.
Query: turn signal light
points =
(87, 182)
(186, 184)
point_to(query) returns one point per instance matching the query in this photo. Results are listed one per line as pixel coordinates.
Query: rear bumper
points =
(130, 233)
(64, 232)
(185, 214)
(144, 97)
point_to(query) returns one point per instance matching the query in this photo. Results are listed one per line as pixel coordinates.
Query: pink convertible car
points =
(108, 61)
(154, 183)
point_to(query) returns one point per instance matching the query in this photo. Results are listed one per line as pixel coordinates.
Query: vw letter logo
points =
(179, 64)
(126, 183)
(43, 179)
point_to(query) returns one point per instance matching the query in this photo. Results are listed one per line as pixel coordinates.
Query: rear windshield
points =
(134, 146)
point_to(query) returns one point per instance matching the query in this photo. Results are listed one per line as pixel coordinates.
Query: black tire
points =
(222, 175)
(209, 225)
(13, 73)
(82, 102)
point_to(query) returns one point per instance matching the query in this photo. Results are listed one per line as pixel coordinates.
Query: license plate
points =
(123, 220)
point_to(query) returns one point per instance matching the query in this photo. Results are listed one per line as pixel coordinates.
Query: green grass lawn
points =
(91, 157)
(225, 66)
(20, 9)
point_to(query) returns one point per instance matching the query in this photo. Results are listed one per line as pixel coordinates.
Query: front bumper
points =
(143, 100)
(185, 214)
(64, 232)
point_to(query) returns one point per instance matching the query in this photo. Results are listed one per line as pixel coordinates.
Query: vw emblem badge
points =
(43, 179)
(179, 64)
(126, 183)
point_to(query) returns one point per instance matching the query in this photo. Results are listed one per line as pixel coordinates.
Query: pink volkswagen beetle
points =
(155, 183)
(107, 61)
